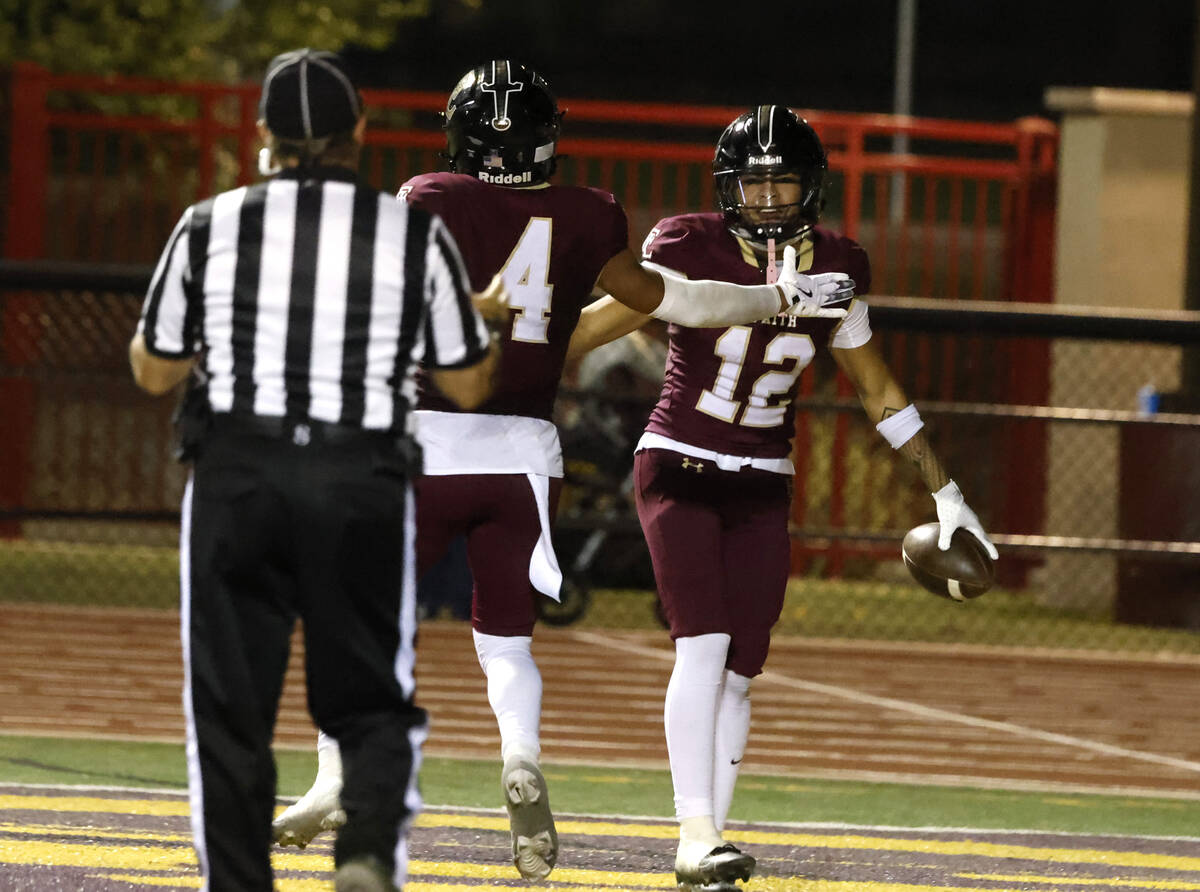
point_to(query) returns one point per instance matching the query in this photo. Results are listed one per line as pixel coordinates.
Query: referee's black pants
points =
(273, 531)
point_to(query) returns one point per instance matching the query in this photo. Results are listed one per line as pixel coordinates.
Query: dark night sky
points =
(976, 59)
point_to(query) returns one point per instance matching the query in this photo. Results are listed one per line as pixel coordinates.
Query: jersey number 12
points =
(760, 410)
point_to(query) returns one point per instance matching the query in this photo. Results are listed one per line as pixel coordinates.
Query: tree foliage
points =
(190, 39)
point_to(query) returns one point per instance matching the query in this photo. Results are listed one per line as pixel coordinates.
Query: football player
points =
(713, 473)
(494, 474)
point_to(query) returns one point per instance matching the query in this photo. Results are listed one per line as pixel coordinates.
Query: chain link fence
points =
(1093, 505)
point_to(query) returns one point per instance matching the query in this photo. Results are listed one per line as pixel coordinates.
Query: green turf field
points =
(602, 791)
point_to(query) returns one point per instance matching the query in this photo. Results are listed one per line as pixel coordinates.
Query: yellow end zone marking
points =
(969, 847)
(133, 858)
(966, 847)
(282, 884)
(117, 857)
(660, 880)
(761, 884)
(164, 808)
(758, 884)
(1072, 881)
(845, 841)
(60, 830)
(74, 855)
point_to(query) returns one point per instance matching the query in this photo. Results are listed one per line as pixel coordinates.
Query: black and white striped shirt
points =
(312, 297)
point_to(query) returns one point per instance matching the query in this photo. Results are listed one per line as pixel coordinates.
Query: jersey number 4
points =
(526, 276)
(760, 410)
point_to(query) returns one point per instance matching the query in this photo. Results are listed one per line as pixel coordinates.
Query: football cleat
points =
(318, 809)
(700, 868)
(534, 839)
(363, 874)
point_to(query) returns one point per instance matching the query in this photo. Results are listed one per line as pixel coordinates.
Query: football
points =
(962, 572)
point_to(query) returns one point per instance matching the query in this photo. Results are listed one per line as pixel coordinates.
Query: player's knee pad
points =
(701, 658)
(489, 648)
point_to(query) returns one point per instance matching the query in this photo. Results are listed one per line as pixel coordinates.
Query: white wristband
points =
(898, 429)
(707, 304)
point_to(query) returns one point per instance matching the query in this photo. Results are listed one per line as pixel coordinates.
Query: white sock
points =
(690, 718)
(700, 830)
(329, 760)
(733, 729)
(514, 687)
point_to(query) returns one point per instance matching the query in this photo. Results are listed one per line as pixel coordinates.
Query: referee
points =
(306, 300)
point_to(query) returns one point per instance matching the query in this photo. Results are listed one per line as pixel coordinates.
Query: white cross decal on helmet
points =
(769, 112)
(501, 121)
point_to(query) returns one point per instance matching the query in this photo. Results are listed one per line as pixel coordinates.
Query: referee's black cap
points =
(308, 94)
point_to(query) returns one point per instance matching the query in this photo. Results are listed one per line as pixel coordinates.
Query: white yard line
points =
(927, 712)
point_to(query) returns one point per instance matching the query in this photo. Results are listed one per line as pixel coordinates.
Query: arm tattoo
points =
(918, 452)
(888, 412)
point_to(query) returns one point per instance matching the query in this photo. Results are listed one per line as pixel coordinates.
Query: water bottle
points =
(1147, 397)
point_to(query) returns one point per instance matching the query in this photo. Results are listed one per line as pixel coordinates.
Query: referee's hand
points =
(492, 302)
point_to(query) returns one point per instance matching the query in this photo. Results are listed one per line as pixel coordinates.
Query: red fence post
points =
(1031, 257)
(207, 133)
(29, 165)
(247, 134)
(853, 173)
(1040, 206)
(29, 162)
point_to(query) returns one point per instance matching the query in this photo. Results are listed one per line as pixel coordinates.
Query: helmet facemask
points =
(758, 206)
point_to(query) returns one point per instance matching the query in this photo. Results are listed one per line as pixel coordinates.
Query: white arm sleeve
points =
(707, 304)
(854, 330)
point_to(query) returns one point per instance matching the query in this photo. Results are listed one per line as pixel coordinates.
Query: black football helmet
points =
(769, 143)
(502, 125)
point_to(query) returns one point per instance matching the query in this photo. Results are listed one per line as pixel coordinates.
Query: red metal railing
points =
(102, 167)
(974, 202)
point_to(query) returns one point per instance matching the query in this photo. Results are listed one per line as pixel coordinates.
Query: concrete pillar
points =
(1121, 242)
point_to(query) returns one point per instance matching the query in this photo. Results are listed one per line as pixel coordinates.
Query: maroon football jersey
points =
(550, 244)
(731, 389)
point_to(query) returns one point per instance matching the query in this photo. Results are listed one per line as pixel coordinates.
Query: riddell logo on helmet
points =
(766, 159)
(506, 178)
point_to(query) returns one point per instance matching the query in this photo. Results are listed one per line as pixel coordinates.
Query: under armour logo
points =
(301, 435)
(698, 465)
(501, 120)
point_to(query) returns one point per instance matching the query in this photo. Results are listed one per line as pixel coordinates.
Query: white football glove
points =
(953, 512)
(825, 294)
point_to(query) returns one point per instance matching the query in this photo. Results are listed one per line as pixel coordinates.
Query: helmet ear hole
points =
(770, 141)
(502, 124)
